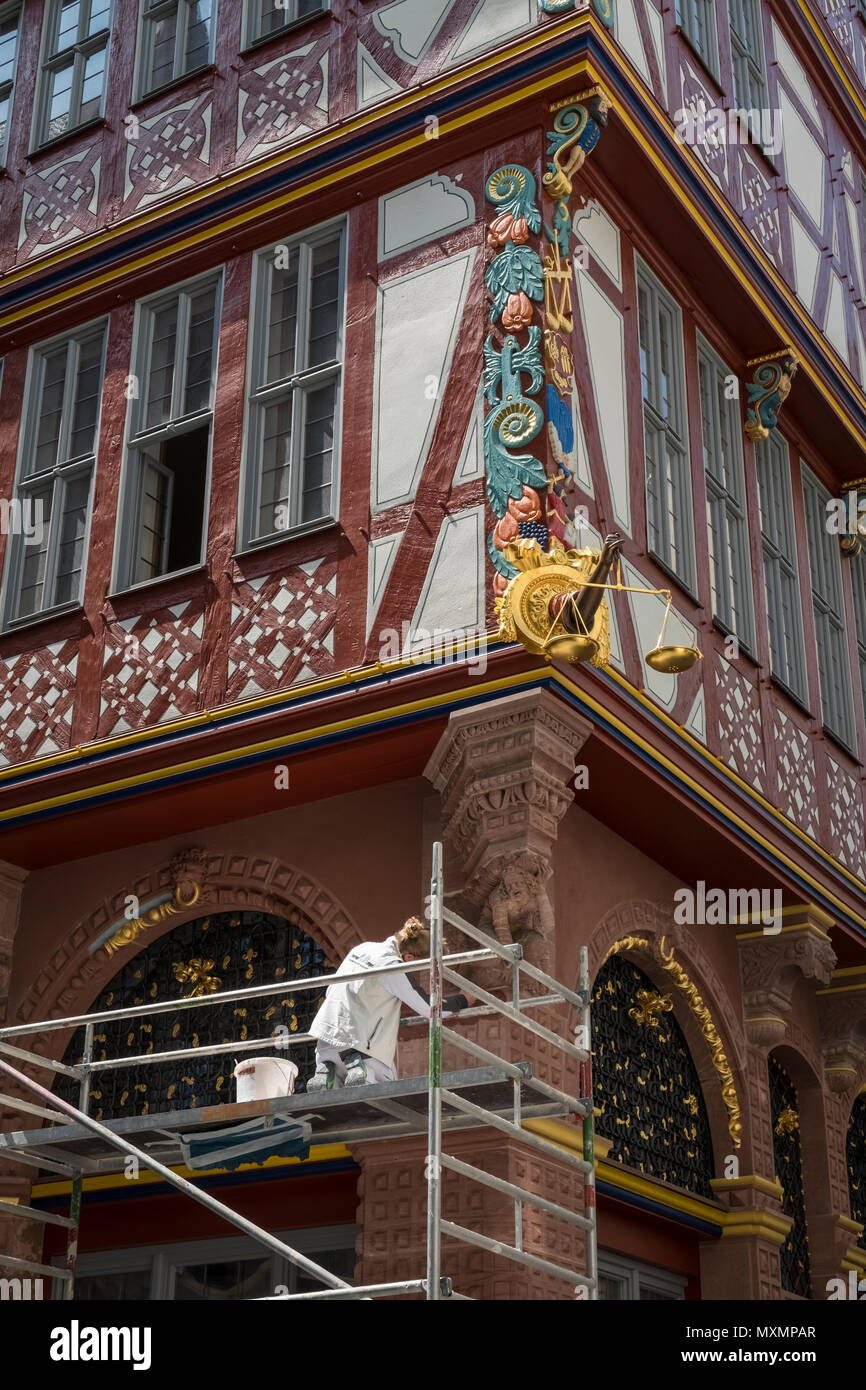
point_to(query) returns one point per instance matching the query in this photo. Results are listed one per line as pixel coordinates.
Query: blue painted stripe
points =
(682, 1218)
(217, 1180)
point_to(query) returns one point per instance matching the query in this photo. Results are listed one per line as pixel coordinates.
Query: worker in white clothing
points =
(356, 1026)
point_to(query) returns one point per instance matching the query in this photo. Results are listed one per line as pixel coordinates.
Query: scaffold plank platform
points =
(347, 1115)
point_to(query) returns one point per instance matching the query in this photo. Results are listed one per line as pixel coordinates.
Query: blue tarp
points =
(270, 1136)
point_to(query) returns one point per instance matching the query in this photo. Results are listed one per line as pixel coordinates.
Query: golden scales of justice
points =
(547, 606)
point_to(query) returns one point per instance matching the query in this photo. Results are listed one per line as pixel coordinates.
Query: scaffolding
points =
(498, 1094)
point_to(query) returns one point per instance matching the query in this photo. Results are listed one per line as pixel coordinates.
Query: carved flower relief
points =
(525, 508)
(507, 227)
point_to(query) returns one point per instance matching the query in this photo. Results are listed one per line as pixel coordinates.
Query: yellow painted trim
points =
(657, 1191)
(566, 1136)
(842, 989)
(850, 970)
(323, 1154)
(751, 1182)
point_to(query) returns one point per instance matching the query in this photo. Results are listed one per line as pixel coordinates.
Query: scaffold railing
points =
(501, 1094)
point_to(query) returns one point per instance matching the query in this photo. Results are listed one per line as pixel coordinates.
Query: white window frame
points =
(302, 380)
(726, 500)
(674, 432)
(292, 19)
(633, 1276)
(150, 11)
(164, 1260)
(138, 436)
(781, 569)
(81, 50)
(58, 476)
(693, 16)
(744, 59)
(12, 10)
(828, 603)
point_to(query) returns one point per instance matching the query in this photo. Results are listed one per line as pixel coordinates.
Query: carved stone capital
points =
(842, 1017)
(503, 772)
(188, 874)
(771, 965)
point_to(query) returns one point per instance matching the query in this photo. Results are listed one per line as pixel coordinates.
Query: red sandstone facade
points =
(142, 717)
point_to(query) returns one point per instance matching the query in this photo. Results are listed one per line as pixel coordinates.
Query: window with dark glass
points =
(176, 39)
(785, 1115)
(670, 529)
(295, 385)
(727, 526)
(858, 583)
(825, 566)
(747, 53)
(267, 17)
(10, 25)
(781, 582)
(50, 511)
(171, 410)
(74, 63)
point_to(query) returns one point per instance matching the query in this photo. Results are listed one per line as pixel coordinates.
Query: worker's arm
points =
(417, 998)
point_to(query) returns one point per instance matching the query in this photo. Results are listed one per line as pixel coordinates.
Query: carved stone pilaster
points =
(771, 965)
(842, 1015)
(503, 771)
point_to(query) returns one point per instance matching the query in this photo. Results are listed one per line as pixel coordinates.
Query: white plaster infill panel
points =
(605, 341)
(593, 228)
(647, 612)
(412, 25)
(418, 319)
(794, 74)
(471, 464)
(807, 259)
(380, 561)
(493, 21)
(696, 723)
(420, 212)
(805, 161)
(373, 83)
(657, 30)
(452, 599)
(835, 325)
(628, 36)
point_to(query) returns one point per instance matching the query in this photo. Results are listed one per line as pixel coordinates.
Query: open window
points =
(162, 521)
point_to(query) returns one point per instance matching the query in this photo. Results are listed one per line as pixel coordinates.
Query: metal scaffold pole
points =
(434, 1084)
(589, 1194)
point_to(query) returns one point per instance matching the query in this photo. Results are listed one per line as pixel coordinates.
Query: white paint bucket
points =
(262, 1078)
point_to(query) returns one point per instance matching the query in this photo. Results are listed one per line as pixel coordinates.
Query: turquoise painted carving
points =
(603, 8)
(514, 280)
(768, 391)
(515, 272)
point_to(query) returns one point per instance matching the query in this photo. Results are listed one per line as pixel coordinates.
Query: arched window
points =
(785, 1111)
(856, 1160)
(645, 1081)
(226, 951)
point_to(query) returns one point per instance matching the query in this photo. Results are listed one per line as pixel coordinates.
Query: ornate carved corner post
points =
(768, 390)
(503, 771)
(576, 127)
(770, 967)
(745, 1262)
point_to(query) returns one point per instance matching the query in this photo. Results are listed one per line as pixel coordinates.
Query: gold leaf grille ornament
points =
(196, 973)
(697, 1006)
(649, 1006)
(788, 1122)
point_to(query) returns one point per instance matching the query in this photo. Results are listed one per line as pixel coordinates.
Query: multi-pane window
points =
(10, 23)
(74, 62)
(49, 514)
(295, 381)
(267, 17)
(670, 533)
(177, 38)
(171, 411)
(747, 52)
(825, 564)
(727, 526)
(858, 582)
(778, 540)
(697, 20)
